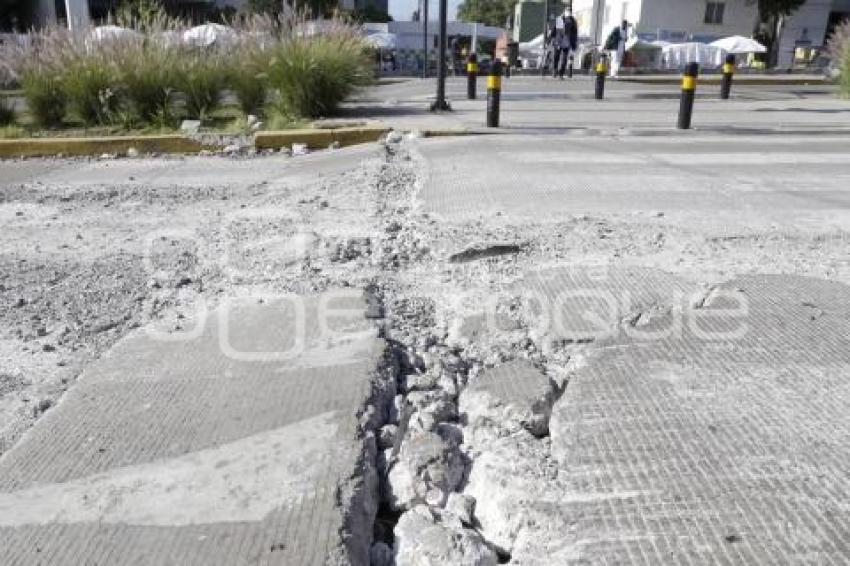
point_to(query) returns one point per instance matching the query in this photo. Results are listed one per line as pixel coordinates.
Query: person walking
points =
(616, 44)
(564, 42)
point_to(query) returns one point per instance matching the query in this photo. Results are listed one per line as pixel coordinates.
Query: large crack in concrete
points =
(457, 401)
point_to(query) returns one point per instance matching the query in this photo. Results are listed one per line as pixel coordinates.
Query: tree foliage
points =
(15, 14)
(769, 9)
(488, 12)
(771, 16)
(272, 7)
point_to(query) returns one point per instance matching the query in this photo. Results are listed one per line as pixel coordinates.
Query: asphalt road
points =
(681, 302)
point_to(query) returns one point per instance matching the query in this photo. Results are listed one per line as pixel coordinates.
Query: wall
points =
(650, 16)
(807, 23)
(528, 20)
(739, 18)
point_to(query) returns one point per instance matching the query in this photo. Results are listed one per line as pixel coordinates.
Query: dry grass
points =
(301, 68)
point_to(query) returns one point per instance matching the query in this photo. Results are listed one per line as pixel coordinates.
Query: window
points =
(714, 12)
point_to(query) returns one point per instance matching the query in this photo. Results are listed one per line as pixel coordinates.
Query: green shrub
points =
(45, 96)
(148, 74)
(838, 50)
(202, 77)
(7, 113)
(311, 76)
(92, 87)
(844, 72)
(248, 79)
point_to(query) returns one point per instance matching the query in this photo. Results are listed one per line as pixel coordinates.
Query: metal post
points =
(440, 104)
(689, 87)
(425, 37)
(494, 91)
(471, 76)
(601, 71)
(726, 82)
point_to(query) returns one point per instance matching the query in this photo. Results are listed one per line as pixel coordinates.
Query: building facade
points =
(667, 20)
(707, 20)
(810, 27)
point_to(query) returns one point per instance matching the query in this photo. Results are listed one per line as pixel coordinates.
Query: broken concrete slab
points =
(227, 446)
(423, 538)
(428, 467)
(513, 396)
(723, 443)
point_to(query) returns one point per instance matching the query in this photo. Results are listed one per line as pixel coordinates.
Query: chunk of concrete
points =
(511, 397)
(423, 539)
(425, 462)
(516, 488)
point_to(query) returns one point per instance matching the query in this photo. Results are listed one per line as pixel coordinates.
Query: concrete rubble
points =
(470, 443)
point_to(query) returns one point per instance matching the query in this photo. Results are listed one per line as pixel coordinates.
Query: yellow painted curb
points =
(446, 133)
(43, 147)
(318, 139)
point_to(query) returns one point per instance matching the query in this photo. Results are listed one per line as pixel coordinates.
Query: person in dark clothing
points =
(564, 39)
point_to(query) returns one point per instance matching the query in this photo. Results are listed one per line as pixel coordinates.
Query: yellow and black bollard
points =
(494, 91)
(689, 88)
(726, 81)
(601, 71)
(471, 76)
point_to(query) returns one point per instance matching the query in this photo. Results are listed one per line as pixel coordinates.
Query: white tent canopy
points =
(535, 46)
(111, 33)
(208, 34)
(739, 44)
(382, 40)
(677, 55)
(637, 44)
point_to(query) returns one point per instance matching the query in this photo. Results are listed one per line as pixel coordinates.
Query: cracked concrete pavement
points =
(547, 350)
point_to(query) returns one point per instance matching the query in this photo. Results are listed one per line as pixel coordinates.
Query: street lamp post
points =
(424, 14)
(440, 104)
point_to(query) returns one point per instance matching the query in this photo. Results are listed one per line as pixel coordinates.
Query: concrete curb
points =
(45, 147)
(739, 79)
(319, 139)
(175, 143)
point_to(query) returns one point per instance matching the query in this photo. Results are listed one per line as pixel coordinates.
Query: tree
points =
(272, 7)
(15, 14)
(488, 12)
(772, 14)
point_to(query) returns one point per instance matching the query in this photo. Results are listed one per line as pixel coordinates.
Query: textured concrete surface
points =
(234, 442)
(703, 416)
(722, 442)
(724, 182)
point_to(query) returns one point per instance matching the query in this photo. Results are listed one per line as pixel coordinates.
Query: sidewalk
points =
(238, 444)
(532, 104)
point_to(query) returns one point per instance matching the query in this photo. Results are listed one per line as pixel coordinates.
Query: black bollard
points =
(689, 88)
(726, 82)
(494, 91)
(471, 76)
(601, 71)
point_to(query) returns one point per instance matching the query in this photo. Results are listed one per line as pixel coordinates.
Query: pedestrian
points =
(616, 44)
(564, 42)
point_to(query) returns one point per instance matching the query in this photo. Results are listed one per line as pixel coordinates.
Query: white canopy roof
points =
(739, 44)
(208, 34)
(382, 40)
(533, 46)
(677, 55)
(637, 44)
(108, 33)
